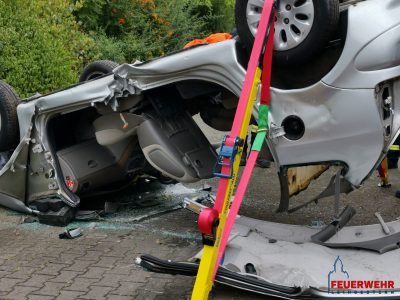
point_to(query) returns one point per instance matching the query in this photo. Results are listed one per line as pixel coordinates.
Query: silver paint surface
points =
(341, 113)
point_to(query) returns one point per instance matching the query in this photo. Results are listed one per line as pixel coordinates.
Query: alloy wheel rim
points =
(293, 21)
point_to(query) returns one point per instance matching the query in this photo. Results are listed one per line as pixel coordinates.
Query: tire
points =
(322, 17)
(97, 69)
(9, 130)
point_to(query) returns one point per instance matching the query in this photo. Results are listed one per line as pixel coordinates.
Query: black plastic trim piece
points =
(223, 275)
(255, 285)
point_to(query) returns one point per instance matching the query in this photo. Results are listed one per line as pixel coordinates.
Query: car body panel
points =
(200, 63)
(371, 54)
(335, 131)
(342, 113)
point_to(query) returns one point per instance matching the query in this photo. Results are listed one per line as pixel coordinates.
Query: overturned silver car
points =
(96, 136)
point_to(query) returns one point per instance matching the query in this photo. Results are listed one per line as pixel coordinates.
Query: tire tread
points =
(101, 66)
(9, 132)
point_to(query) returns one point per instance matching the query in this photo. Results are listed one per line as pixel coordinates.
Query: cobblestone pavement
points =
(36, 264)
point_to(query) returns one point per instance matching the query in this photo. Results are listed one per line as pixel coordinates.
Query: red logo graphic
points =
(339, 282)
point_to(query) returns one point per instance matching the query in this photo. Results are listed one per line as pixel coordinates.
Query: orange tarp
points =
(214, 38)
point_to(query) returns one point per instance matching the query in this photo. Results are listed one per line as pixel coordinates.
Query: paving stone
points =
(7, 284)
(9, 266)
(69, 295)
(94, 272)
(52, 269)
(121, 269)
(178, 288)
(40, 297)
(119, 252)
(98, 235)
(127, 289)
(80, 251)
(20, 292)
(81, 284)
(66, 276)
(177, 296)
(147, 295)
(53, 252)
(99, 265)
(112, 280)
(92, 255)
(21, 273)
(37, 280)
(97, 293)
(117, 297)
(139, 275)
(36, 262)
(68, 258)
(158, 284)
(4, 273)
(106, 262)
(79, 265)
(51, 289)
(105, 244)
(153, 289)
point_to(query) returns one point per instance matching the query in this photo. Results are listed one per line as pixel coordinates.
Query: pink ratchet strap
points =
(263, 127)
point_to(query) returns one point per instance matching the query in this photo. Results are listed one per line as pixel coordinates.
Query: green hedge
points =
(41, 47)
(127, 30)
(225, 10)
(45, 44)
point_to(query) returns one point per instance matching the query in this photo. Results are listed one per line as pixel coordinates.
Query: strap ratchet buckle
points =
(229, 149)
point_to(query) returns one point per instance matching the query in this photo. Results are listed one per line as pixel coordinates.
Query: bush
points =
(126, 30)
(225, 10)
(45, 44)
(41, 47)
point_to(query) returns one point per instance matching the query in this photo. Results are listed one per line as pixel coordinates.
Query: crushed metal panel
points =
(276, 249)
(287, 265)
(13, 177)
(217, 63)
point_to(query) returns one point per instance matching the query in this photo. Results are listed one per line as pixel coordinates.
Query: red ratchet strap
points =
(267, 69)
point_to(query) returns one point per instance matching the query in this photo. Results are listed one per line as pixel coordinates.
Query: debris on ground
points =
(70, 234)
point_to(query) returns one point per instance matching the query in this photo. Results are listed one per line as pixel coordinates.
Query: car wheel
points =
(302, 27)
(97, 69)
(9, 130)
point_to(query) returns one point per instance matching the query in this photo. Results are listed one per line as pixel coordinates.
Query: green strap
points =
(262, 128)
(259, 141)
(263, 117)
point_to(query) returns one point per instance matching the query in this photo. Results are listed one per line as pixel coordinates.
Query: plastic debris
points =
(72, 233)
